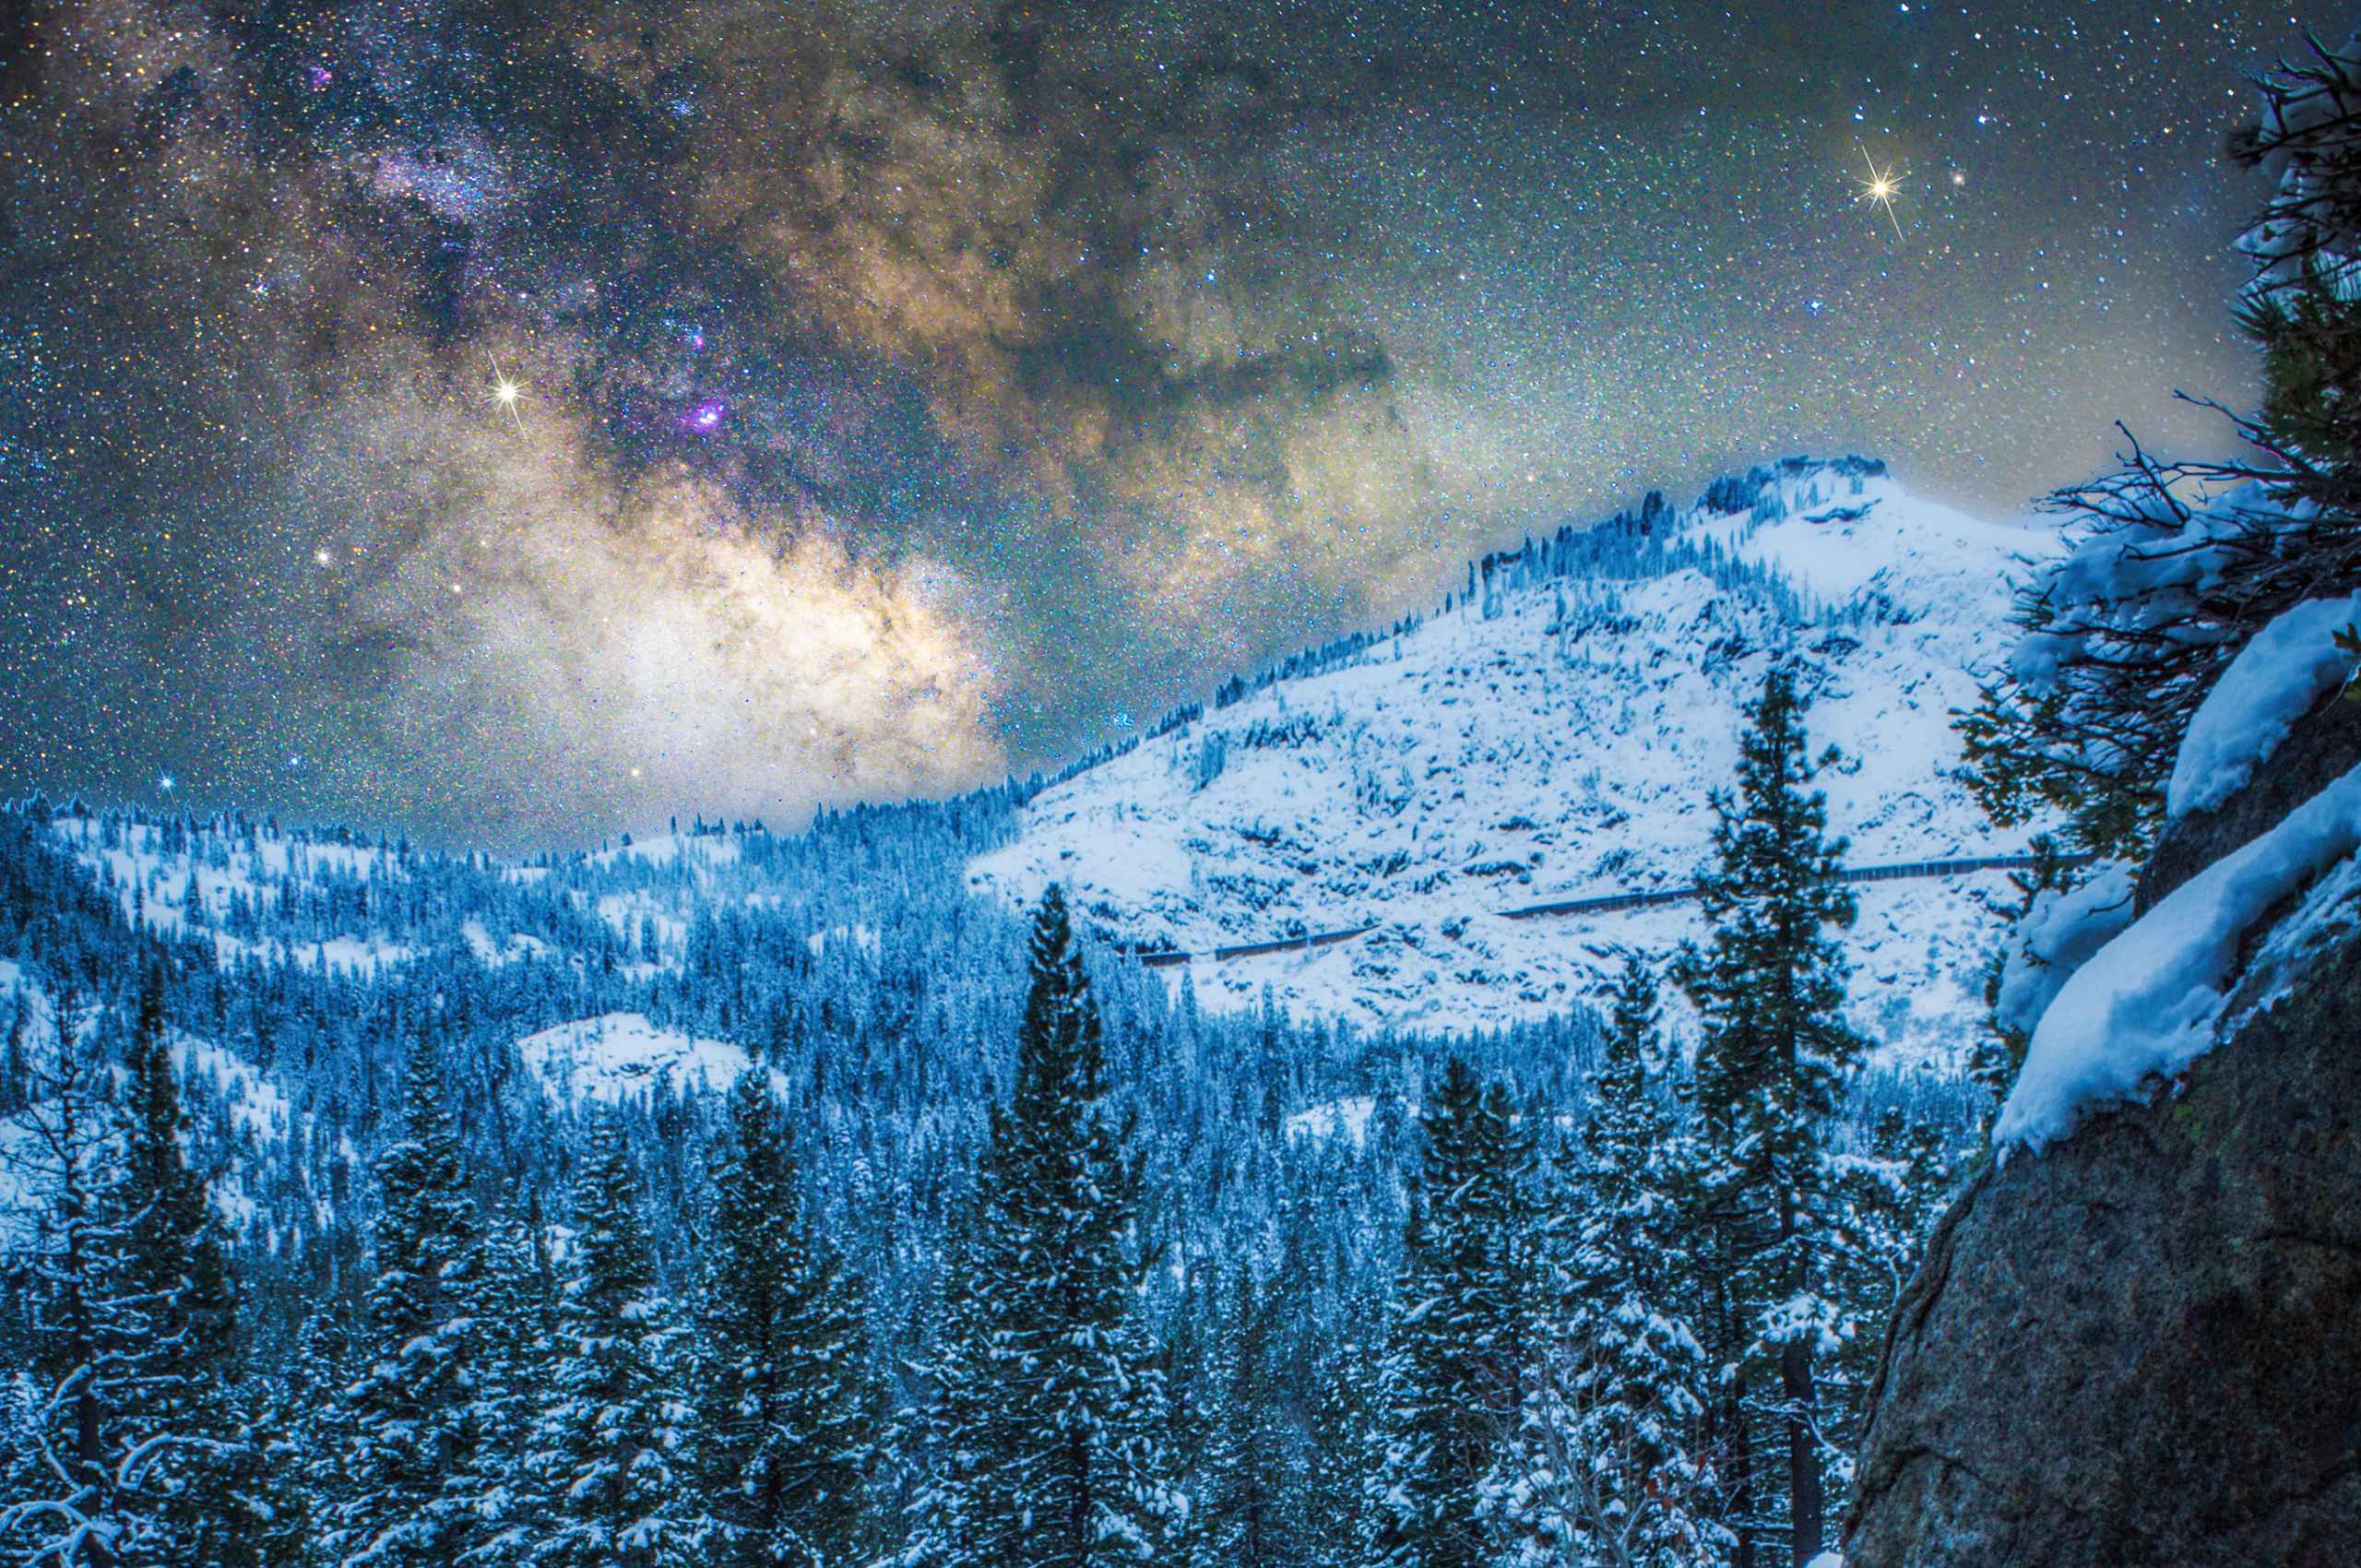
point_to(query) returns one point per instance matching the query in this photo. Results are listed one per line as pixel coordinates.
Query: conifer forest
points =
(1179, 784)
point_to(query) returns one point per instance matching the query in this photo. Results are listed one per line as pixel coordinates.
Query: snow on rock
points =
(2275, 680)
(2056, 936)
(619, 1055)
(1555, 735)
(2147, 1004)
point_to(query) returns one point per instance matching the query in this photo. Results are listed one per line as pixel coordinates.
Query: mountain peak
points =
(1552, 733)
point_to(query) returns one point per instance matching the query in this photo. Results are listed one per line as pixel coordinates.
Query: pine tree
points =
(1769, 986)
(179, 1369)
(413, 1422)
(1347, 1451)
(1257, 1472)
(1885, 1204)
(2126, 635)
(951, 1440)
(1456, 1364)
(608, 1450)
(786, 1429)
(74, 1499)
(317, 1422)
(1605, 1471)
(262, 1517)
(1047, 1447)
(517, 1351)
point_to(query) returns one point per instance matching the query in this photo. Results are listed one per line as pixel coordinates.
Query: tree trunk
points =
(1741, 1456)
(1803, 1457)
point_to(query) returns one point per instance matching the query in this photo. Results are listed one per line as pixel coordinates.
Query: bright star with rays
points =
(1881, 188)
(506, 392)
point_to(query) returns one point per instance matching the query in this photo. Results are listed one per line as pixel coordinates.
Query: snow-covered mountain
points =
(1555, 733)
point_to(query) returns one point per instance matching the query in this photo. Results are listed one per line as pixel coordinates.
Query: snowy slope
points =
(1557, 736)
(231, 883)
(243, 1130)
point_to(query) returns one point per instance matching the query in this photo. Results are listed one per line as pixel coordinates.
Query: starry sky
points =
(514, 423)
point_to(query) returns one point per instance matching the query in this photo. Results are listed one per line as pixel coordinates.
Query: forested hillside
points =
(626, 1187)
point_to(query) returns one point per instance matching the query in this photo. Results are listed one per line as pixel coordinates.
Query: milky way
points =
(906, 394)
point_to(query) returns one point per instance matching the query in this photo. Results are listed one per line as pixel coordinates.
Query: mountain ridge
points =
(1277, 812)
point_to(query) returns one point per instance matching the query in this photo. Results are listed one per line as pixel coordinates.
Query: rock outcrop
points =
(2141, 1346)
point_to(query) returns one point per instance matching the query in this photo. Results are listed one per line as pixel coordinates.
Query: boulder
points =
(2141, 1346)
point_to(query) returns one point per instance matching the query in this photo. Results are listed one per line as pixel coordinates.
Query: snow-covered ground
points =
(177, 884)
(619, 1055)
(1560, 739)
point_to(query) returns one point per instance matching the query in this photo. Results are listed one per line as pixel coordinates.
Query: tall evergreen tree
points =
(1769, 986)
(1885, 1202)
(609, 1451)
(1347, 1449)
(1052, 1457)
(1605, 1471)
(1455, 1362)
(179, 1367)
(261, 1507)
(414, 1424)
(516, 1352)
(785, 1432)
(316, 1381)
(74, 1497)
(1257, 1467)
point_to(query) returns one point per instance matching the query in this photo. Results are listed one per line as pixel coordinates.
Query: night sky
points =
(902, 394)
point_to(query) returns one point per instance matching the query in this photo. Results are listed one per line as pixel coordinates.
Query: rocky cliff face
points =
(2143, 1344)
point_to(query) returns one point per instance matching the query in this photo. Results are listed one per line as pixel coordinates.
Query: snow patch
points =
(860, 938)
(1347, 1118)
(2147, 1004)
(621, 1055)
(2275, 680)
(2058, 935)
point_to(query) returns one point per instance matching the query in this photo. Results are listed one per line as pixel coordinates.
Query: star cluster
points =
(527, 421)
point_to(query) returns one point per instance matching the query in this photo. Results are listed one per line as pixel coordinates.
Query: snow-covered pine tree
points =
(609, 1453)
(413, 1423)
(1885, 1202)
(1051, 1456)
(263, 1487)
(946, 1439)
(2177, 564)
(517, 1351)
(1454, 1363)
(73, 1497)
(1347, 1451)
(1605, 1470)
(1769, 986)
(1250, 1516)
(179, 1371)
(316, 1381)
(786, 1429)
